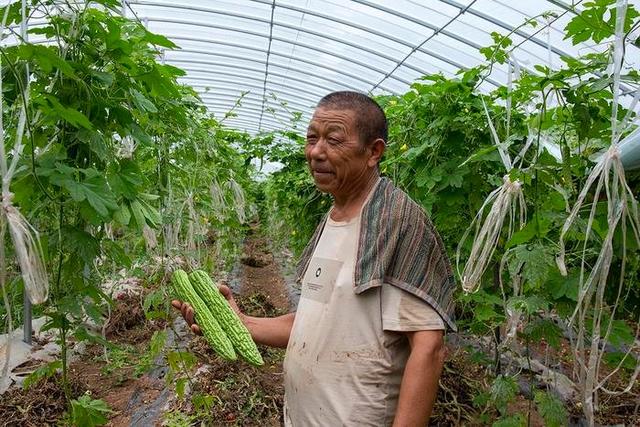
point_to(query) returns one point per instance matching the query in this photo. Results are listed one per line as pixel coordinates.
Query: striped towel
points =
(398, 245)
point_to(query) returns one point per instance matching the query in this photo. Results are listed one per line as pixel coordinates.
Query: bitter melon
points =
(238, 334)
(210, 327)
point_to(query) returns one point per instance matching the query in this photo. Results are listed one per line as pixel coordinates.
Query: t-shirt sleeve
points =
(403, 312)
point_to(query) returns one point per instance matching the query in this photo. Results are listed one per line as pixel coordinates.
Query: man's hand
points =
(188, 314)
(271, 331)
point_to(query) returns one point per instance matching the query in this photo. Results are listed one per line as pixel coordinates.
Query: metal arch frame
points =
(217, 64)
(306, 61)
(274, 124)
(244, 104)
(307, 31)
(283, 40)
(226, 65)
(326, 88)
(467, 9)
(266, 68)
(437, 30)
(307, 73)
(255, 95)
(247, 123)
(279, 24)
(247, 102)
(378, 33)
(278, 111)
(254, 116)
(280, 39)
(508, 27)
(232, 120)
(200, 81)
(392, 38)
(212, 89)
(249, 128)
(356, 46)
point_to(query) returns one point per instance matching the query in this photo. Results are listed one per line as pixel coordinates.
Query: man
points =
(365, 346)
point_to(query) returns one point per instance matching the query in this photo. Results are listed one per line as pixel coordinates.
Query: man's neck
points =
(346, 208)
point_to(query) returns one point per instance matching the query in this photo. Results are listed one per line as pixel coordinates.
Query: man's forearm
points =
(419, 386)
(271, 331)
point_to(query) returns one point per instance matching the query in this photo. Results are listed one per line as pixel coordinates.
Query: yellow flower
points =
(404, 147)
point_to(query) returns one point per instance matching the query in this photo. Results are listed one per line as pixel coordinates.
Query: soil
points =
(235, 393)
(246, 395)
(265, 278)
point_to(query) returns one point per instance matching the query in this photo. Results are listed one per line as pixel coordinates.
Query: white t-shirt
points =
(345, 357)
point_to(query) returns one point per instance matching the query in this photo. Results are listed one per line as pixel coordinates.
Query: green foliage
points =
(47, 370)
(544, 329)
(517, 420)
(89, 412)
(115, 145)
(551, 409)
(292, 204)
(503, 391)
(597, 21)
(177, 418)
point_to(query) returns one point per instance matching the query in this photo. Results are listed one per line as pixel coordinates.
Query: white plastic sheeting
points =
(289, 53)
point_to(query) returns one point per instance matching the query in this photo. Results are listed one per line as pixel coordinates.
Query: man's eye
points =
(312, 139)
(333, 140)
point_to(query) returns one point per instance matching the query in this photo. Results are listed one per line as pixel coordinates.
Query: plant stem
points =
(531, 378)
(62, 316)
(496, 330)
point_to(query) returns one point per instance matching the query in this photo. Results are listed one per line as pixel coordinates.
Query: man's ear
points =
(377, 148)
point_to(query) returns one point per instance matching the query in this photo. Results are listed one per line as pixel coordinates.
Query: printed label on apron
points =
(320, 279)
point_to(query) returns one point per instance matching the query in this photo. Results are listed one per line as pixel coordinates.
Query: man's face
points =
(337, 159)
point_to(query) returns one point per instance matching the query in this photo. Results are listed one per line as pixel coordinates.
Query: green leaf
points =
(517, 420)
(534, 260)
(104, 77)
(46, 57)
(138, 213)
(68, 114)
(181, 384)
(122, 215)
(180, 361)
(551, 409)
(479, 155)
(125, 178)
(159, 40)
(45, 371)
(150, 213)
(531, 229)
(81, 244)
(560, 286)
(99, 195)
(528, 304)
(157, 342)
(95, 141)
(88, 412)
(140, 135)
(545, 329)
(142, 102)
(114, 251)
(503, 391)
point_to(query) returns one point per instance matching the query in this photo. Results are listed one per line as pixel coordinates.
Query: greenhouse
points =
(320, 212)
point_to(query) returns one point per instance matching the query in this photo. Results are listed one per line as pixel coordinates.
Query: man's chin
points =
(323, 187)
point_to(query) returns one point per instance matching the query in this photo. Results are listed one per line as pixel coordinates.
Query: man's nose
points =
(318, 151)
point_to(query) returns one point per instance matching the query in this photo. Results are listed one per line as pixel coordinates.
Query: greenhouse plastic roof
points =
(287, 54)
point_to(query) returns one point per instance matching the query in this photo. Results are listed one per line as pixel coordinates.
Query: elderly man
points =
(365, 345)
